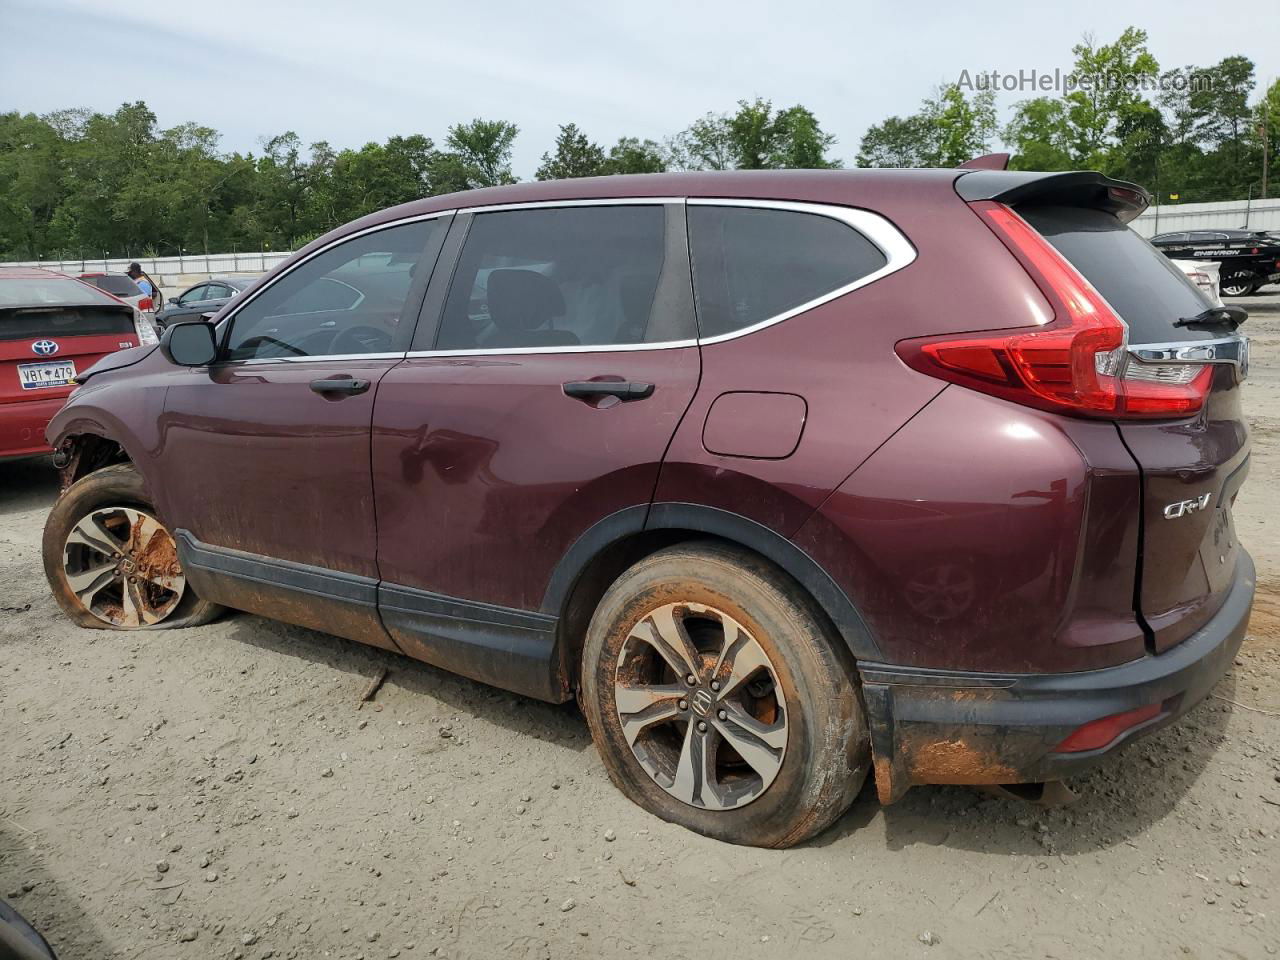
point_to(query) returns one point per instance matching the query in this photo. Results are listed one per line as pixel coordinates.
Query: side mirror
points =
(191, 344)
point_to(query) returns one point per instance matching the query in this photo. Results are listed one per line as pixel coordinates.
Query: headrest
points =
(522, 299)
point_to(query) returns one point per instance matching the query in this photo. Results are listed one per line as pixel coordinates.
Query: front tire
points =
(719, 701)
(111, 564)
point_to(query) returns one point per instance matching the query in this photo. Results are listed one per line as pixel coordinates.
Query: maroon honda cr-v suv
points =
(784, 476)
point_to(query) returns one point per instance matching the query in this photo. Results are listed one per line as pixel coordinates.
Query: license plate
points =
(36, 376)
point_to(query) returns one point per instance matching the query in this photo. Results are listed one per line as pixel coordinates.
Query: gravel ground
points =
(220, 792)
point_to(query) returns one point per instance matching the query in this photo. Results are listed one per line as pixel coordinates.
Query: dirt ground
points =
(218, 792)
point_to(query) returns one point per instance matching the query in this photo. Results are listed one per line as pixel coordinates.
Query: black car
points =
(1249, 258)
(207, 296)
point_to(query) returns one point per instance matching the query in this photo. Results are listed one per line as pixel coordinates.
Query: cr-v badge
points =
(1180, 509)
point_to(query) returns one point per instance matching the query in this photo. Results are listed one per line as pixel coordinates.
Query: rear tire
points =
(112, 565)
(767, 745)
(1238, 284)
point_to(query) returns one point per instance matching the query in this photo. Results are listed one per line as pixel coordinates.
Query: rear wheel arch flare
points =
(624, 538)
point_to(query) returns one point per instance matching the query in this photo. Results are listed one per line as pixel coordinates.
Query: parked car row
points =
(52, 329)
(203, 299)
(782, 475)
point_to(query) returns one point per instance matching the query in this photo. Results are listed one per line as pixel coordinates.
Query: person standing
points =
(144, 282)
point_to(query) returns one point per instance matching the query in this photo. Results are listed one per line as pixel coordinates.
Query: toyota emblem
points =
(44, 348)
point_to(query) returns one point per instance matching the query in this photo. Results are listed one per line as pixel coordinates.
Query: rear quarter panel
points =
(839, 358)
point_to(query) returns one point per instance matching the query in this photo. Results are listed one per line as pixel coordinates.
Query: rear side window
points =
(1142, 285)
(121, 286)
(563, 277)
(751, 264)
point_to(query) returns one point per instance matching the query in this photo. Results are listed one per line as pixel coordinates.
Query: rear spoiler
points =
(1075, 189)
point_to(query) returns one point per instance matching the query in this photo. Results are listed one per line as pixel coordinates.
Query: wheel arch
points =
(85, 446)
(605, 550)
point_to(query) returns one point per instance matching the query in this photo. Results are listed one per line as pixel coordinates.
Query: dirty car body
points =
(955, 428)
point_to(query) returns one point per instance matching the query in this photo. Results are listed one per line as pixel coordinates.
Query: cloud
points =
(349, 73)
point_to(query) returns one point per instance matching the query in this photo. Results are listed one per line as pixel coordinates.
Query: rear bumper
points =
(22, 426)
(945, 726)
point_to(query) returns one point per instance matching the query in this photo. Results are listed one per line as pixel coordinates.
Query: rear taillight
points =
(146, 303)
(1077, 363)
(146, 332)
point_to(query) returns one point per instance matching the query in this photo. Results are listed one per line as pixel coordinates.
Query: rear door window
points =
(752, 264)
(573, 276)
(1142, 285)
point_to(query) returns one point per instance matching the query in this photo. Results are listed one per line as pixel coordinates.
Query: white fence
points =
(173, 274)
(202, 263)
(1223, 214)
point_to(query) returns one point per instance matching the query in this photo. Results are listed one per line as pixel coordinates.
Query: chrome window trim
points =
(897, 249)
(898, 253)
(592, 202)
(328, 357)
(241, 304)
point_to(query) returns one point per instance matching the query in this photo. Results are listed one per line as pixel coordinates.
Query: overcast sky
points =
(349, 72)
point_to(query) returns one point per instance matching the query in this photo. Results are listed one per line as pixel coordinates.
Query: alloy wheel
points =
(701, 706)
(122, 565)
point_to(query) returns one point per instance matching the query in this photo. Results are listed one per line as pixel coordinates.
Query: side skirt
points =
(513, 649)
(516, 650)
(320, 599)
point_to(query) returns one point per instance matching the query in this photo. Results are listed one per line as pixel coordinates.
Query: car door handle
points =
(622, 389)
(345, 385)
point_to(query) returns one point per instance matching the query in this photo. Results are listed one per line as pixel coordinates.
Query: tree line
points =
(78, 183)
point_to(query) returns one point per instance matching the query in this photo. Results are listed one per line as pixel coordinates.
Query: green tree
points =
(574, 156)
(949, 129)
(479, 155)
(755, 137)
(897, 142)
(1038, 135)
(1106, 98)
(632, 155)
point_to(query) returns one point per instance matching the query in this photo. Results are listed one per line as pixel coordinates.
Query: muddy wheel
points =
(719, 701)
(112, 565)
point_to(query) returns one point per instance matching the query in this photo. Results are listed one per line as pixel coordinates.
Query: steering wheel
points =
(361, 339)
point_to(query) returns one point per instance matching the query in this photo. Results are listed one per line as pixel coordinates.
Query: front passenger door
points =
(265, 454)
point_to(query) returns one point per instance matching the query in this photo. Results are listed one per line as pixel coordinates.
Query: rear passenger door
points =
(555, 357)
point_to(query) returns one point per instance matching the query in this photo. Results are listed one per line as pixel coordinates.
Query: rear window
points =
(754, 263)
(27, 323)
(26, 292)
(120, 285)
(1142, 285)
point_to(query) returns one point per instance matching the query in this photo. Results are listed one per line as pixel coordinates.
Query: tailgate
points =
(43, 347)
(1191, 468)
